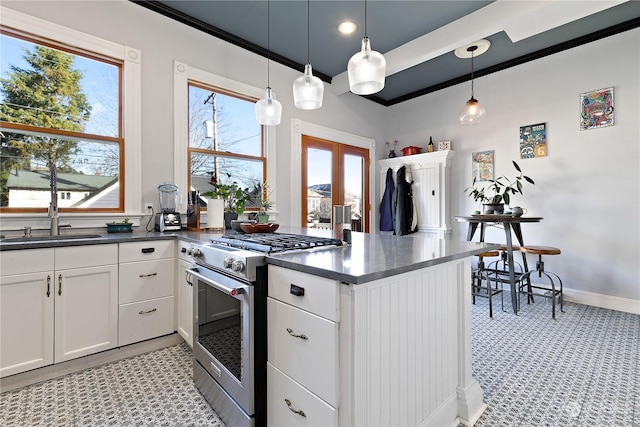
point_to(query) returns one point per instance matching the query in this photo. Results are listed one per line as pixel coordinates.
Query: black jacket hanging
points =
(402, 204)
(386, 205)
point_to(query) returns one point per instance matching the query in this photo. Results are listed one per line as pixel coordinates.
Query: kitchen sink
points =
(49, 238)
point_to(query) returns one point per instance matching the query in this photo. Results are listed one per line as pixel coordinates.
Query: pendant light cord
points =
(268, 40)
(365, 18)
(472, 73)
(308, 32)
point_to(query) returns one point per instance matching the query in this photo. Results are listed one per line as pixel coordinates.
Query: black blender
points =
(168, 219)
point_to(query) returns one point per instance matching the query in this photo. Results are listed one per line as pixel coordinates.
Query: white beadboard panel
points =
(405, 359)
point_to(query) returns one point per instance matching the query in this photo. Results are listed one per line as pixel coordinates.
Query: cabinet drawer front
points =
(86, 256)
(305, 347)
(144, 320)
(145, 280)
(26, 261)
(321, 296)
(284, 396)
(143, 251)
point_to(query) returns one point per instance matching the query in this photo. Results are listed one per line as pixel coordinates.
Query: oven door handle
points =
(231, 291)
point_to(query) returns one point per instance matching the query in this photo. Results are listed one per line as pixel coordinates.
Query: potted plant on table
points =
(499, 191)
(235, 198)
(265, 204)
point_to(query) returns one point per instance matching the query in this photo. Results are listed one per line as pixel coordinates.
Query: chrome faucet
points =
(53, 205)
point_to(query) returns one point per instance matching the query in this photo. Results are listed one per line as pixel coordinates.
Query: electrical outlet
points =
(148, 208)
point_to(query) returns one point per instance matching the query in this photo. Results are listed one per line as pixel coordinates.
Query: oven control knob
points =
(227, 263)
(195, 252)
(237, 266)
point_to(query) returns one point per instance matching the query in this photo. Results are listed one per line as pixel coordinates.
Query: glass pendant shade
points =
(268, 109)
(472, 112)
(366, 70)
(308, 90)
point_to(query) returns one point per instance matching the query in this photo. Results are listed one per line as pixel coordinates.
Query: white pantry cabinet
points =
(57, 304)
(431, 188)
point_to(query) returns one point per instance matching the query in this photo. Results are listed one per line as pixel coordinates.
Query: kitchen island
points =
(373, 333)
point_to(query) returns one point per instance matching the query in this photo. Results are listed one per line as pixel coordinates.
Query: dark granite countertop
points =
(368, 257)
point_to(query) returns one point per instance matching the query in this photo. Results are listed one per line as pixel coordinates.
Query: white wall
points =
(587, 189)
(162, 41)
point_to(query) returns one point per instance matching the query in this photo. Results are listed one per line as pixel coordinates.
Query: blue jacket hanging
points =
(386, 205)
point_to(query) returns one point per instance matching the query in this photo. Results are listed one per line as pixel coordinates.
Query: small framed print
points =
(444, 145)
(596, 109)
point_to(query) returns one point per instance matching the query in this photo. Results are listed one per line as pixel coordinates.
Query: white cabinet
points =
(431, 188)
(303, 337)
(184, 293)
(57, 304)
(146, 283)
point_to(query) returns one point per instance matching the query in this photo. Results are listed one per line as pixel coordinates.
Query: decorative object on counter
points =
(596, 109)
(248, 227)
(235, 198)
(268, 109)
(410, 150)
(482, 166)
(444, 145)
(533, 141)
(366, 69)
(119, 227)
(236, 224)
(498, 192)
(430, 145)
(308, 89)
(472, 112)
(193, 211)
(392, 151)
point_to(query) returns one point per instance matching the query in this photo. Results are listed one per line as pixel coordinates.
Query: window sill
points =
(78, 221)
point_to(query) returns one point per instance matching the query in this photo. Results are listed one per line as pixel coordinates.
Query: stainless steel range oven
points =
(230, 320)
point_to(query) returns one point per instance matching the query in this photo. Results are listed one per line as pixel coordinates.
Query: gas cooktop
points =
(275, 242)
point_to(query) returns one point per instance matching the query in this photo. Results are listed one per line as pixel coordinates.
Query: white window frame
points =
(132, 133)
(182, 73)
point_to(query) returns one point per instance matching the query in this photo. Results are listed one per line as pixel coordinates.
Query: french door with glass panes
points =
(334, 174)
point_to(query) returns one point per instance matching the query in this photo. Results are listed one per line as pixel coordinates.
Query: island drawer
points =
(305, 291)
(305, 347)
(144, 320)
(145, 280)
(285, 396)
(143, 251)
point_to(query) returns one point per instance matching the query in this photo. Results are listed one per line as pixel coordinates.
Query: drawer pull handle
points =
(148, 275)
(299, 411)
(148, 250)
(301, 336)
(60, 284)
(148, 311)
(296, 290)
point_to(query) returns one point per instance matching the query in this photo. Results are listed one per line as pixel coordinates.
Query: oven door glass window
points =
(220, 328)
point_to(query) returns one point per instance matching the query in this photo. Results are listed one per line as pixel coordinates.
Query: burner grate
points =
(275, 242)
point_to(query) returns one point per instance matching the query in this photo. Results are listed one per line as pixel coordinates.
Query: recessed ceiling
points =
(417, 38)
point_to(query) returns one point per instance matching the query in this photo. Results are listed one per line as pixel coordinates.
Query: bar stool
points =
(501, 266)
(549, 292)
(481, 273)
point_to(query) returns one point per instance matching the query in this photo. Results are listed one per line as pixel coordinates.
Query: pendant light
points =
(472, 112)
(367, 68)
(268, 109)
(308, 89)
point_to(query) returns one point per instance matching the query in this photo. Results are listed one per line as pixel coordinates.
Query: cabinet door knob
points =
(60, 284)
(48, 285)
(298, 411)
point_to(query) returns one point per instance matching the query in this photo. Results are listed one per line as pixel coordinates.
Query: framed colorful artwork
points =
(596, 109)
(482, 165)
(533, 141)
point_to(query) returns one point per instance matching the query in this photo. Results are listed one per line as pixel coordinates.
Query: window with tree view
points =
(225, 142)
(60, 118)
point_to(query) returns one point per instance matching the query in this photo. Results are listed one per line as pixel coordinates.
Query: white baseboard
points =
(610, 302)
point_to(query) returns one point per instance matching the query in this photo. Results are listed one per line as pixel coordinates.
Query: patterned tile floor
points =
(579, 370)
